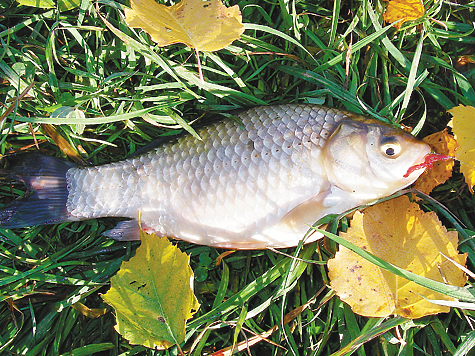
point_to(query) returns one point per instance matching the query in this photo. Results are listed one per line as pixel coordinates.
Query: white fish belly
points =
(232, 189)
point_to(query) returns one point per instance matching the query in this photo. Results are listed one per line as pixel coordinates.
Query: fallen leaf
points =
(152, 294)
(404, 10)
(88, 312)
(464, 131)
(402, 234)
(71, 112)
(206, 25)
(444, 144)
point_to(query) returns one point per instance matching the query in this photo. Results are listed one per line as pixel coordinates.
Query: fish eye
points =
(390, 147)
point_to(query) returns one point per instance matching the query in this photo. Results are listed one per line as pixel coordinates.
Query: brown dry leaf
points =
(62, 143)
(402, 234)
(465, 59)
(405, 10)
(464, 131)
(224, 254)
(444, 144)
(206, 25)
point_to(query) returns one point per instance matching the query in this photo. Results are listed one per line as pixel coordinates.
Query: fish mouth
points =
(429, 160)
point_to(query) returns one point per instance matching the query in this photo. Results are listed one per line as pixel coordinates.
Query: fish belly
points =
(234, 188)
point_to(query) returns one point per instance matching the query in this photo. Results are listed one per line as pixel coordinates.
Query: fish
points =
(256, 181)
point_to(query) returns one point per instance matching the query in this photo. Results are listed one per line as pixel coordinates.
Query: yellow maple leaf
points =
(464, 131)
(443, 144)
(402, 234)
(404, 10)
(206, 25)
(152, 294)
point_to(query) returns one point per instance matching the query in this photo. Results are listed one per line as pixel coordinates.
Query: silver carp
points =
(255, 182)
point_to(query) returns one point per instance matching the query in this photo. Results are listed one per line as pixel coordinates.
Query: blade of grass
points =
(467, 345)
(377, 330)
(251, 289)
(334, 24)
(257, 27)
(353, 328)
(405, 63)
(88, 121)
(412, 78)
(442, 335)
(354, 48)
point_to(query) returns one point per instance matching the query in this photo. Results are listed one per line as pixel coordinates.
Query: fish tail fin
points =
(45, 201)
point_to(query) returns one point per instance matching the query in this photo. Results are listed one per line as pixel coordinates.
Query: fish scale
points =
(254, 182)
(245, 171)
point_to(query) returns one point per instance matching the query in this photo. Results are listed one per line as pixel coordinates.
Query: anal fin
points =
(127, 230)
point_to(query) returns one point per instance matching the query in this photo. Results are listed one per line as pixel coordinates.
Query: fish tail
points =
(45, 201)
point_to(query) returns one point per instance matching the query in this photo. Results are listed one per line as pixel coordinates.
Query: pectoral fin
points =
(331, 201)
(305, 214)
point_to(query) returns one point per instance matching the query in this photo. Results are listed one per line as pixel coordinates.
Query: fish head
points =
(370, 159)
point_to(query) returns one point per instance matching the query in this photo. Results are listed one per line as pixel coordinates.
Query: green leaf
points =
(45, 4)
(152, 294)
(65, 5)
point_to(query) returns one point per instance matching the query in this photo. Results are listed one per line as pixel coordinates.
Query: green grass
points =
(132, 92)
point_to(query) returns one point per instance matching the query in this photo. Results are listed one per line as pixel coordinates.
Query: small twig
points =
(399, 336)
(200, 70)
(348, 60)
(291, 56)
(32, 131)
(15, 103)
(440, 23)
(180, 351)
